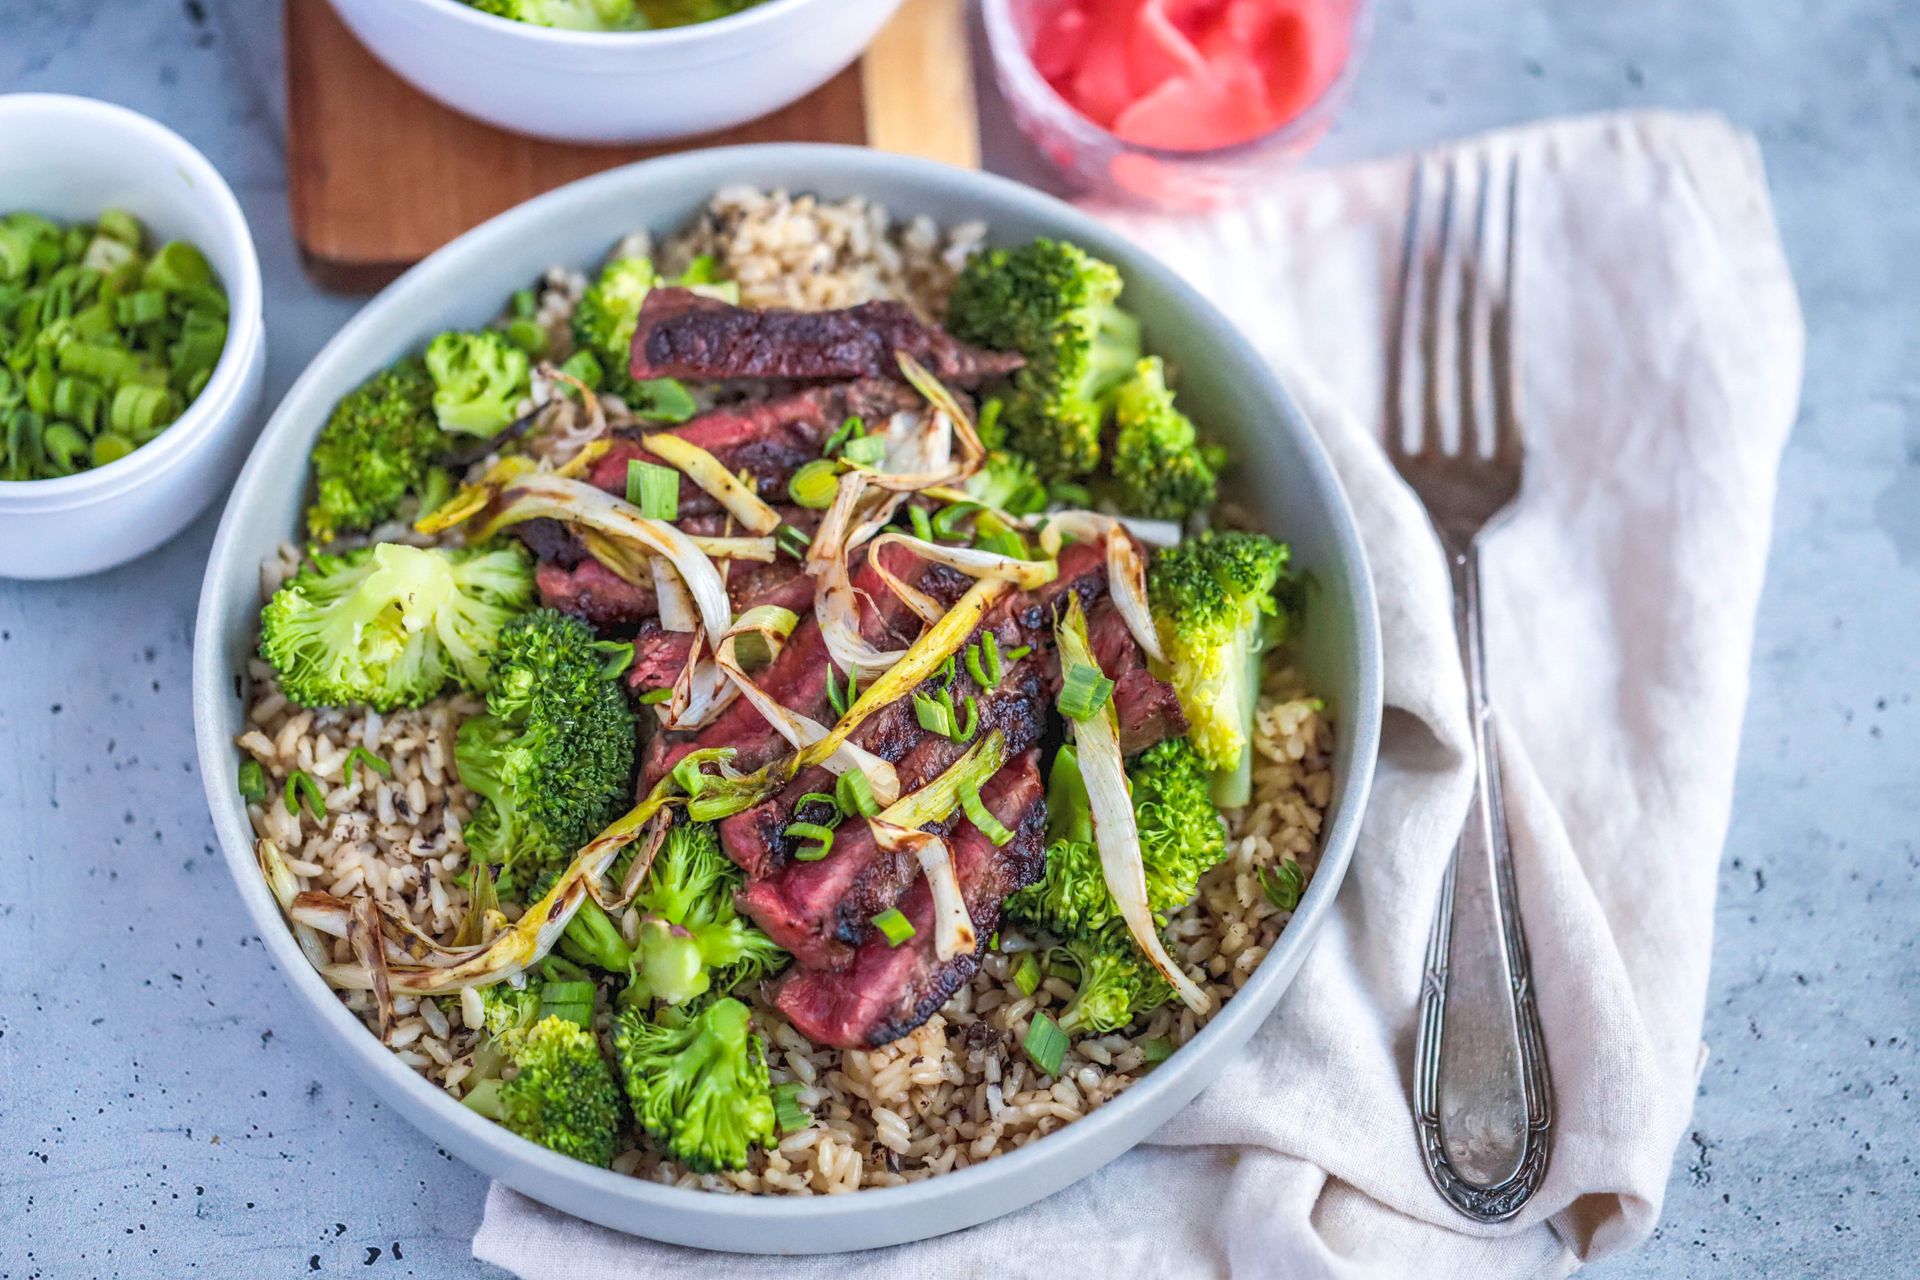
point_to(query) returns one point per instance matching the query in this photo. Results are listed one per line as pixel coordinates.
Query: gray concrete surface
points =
(161, 1113)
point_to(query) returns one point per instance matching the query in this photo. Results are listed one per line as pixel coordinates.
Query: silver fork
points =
(1483, 1102)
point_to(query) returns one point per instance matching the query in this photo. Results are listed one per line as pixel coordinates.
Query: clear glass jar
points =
(1097, 161)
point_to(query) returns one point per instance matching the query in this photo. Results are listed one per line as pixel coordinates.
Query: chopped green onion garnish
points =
(922, 527)
(660, 400)
(850, 429)
(1018, 652)
(300, 789)
(1084, 692)
(617, 655)
(836, 697)
(361, 755)
(1026, 974)
(810, 831)
(527, 335)
(653, 697)
(982, 817)
(983, 662)
(788, 1115)
(988, 427)
(1158, 1049)
(525, 304)
(1046, 1043)
(969, 724)
(570, 1000)
(654, 489)
(814, 485)
(253, 781)
(792, 541)
(584, 366)
(854, 794)
(1070, 494)
(867, 451)
(947, 519)
(1283, 884)
(934, 716)
(895, 927)
(949, 668)
(991, 533)
(821, 797)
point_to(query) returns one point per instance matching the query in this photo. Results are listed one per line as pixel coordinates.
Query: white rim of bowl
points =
(245, 317)
(692, 33)
(505, 1150)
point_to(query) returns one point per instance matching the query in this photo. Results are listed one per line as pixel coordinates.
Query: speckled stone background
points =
(162, 1114)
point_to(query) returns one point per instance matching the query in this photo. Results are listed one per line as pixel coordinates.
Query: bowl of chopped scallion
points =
(132, 349)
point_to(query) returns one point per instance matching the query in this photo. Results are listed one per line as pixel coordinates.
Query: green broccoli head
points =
(606, 315)
(1181, 836)
(1116, 981)
(570, 15)
(698, 1085)
(387, 626)
(509, 1009)
(377, 449)
(1056, 305)
(479, 380)
(693, 942)
(1157, 461)
(1009, 483)
(561, 1094)
(553, 755)
(1213, 600)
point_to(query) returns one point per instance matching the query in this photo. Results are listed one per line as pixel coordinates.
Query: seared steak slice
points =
(819, 910)
(768, 439)
(593, 593)
(887, 991)
(1147, 707)
(684, 335)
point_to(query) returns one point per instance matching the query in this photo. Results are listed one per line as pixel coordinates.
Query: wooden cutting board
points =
(370, 202)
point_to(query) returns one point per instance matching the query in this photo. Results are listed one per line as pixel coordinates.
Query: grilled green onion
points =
(854, 794)
(982, 817)
(1158, 1049)
(687, 774)
(1046, 1044)
(253, 781)
(301, 788)
(654, 489)
(814, 485)
(788, 1115)
(1084, 691)
(360, 755)
(653, 697)
(810, 831)
(837, 698)
(895, 927)
(1026, 974)
(792, 541)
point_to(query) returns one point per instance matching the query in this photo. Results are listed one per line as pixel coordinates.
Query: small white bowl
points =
(68, 159)
(616, 87)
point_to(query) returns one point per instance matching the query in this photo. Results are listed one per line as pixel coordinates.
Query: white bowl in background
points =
(1279, 471)
(616, 87)
(68, 159)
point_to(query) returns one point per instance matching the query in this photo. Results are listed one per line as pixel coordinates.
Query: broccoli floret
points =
(1116, 981)
(387, 626)
(572, 15)
(479, 380)
(1009, 483)
(692, 942)
(377, 449)
(698, 1085)
(1213, 602)
(1181, 836)
(1055, 305)
(1157, 460)
(553, 755)
(561, 1093)
(605, 317)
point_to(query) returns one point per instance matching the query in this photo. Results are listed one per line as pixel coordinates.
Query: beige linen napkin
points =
(1661, 353)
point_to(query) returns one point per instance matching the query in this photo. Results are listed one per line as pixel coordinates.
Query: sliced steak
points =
(887, 991)
(594, 593)
(684, 335)
(768, 439)
(1147, 707)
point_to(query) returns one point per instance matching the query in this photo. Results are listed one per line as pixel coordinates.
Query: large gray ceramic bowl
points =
(1279, 470)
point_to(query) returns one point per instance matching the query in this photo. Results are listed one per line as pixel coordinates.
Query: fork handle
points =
(1483, 1102)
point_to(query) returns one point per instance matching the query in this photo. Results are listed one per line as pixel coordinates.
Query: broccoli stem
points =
(1233, 788)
